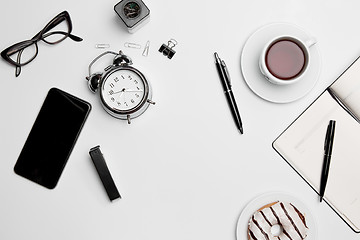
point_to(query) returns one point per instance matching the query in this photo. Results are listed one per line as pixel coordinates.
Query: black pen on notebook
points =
(329, 141)
(225, 81)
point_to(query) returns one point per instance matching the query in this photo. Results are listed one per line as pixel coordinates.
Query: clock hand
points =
(134, 90)
(115, 92)
(122, 93)
(122, 90)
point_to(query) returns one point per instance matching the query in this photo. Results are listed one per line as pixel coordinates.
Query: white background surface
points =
(182, 168)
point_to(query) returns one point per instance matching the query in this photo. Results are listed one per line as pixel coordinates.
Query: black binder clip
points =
(168, 50)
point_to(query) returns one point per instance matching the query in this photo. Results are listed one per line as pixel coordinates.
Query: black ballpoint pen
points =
(329, 140)
(225, 81)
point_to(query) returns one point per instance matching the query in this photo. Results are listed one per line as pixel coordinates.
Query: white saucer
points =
(256, 81)
(262, 200)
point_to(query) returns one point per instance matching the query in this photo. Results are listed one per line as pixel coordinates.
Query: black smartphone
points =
(52, 138)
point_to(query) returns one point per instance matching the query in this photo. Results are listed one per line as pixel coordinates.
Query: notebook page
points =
(347, 88)
(302, 145)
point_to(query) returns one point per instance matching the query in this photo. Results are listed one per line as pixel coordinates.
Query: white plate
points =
(262, 200)
(256, 81)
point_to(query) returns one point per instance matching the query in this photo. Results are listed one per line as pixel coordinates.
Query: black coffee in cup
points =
(285, 59)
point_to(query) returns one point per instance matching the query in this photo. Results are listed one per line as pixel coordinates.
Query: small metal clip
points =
(102, 45)
(146, 49)
(168, 50)
(132, 45)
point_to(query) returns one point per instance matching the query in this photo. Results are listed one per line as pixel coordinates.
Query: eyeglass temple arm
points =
(73, 37)
(18, 68)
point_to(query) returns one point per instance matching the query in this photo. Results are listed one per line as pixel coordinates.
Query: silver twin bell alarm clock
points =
(125, 93)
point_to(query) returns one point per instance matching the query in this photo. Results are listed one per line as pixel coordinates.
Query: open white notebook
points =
(302, 144)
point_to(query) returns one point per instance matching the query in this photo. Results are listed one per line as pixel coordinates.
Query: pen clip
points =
(327, 138)
(226, 72)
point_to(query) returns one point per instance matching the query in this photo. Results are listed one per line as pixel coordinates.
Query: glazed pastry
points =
(286, 216)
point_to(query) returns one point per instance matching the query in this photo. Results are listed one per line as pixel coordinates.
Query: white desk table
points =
(182, 168)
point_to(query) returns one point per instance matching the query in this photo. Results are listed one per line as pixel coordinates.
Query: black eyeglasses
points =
(24, 52)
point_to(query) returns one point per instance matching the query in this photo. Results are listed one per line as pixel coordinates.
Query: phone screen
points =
(52, 138)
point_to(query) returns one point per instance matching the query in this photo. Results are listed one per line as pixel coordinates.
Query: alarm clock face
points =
(124, 90)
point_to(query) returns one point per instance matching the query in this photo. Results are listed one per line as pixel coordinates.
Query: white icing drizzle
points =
(282, 213)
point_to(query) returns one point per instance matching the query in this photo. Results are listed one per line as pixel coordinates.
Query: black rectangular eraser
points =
(104, 173)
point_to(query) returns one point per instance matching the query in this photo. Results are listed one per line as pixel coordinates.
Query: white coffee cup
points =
(285, 59)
